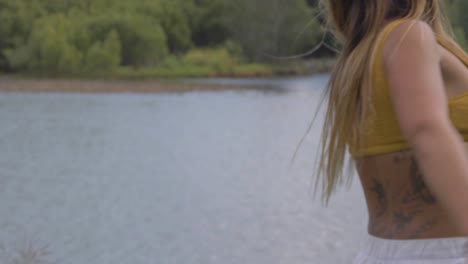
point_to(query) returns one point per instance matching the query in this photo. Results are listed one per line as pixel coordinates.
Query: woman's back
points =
(398, 101)
(401, 206)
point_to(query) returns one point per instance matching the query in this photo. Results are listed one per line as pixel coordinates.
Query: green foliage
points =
(71, 38)
(457, 11)
(16, 20)
(47, 48)
(233, 48)
(217, 59)
(252, 70)
(209, 21)
(461, 37)
(143, 40)
(273, 27)
(104, 56)
(198, 63)
(176, 25)
(163, 37)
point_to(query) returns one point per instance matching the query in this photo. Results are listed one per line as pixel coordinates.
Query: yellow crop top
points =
(382, 133)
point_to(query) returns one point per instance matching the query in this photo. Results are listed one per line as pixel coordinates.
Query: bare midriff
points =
(400, 204)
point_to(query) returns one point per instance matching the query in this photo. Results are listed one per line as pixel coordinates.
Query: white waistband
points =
(439, 248)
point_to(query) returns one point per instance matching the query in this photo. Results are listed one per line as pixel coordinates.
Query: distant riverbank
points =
(147, 82)
(108, 86)
(283, 68)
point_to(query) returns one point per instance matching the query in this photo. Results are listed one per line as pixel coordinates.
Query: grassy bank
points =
(107, 86)
(196, 64)
(191, 71)
(289, 68)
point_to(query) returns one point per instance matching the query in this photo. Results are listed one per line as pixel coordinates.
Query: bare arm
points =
(412, 65)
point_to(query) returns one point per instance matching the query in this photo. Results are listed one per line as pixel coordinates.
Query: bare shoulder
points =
(411, 39)
(412, 61)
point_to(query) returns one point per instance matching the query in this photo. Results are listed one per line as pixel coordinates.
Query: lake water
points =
(190, 178)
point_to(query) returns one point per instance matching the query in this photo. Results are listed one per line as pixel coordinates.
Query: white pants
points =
(417, 251)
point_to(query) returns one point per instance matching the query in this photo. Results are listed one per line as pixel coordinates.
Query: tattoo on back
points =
(423, 228)
(392, 218)
(401, 220)
(379, 190)
(419, 190)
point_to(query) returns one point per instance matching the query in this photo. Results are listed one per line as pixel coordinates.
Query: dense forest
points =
(162, 37)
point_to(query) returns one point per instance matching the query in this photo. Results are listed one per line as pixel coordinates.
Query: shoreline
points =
(110, 86)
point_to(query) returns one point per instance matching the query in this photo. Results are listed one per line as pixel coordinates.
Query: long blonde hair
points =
(356, 24)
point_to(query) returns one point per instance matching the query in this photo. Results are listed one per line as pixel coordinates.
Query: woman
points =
(398, 101)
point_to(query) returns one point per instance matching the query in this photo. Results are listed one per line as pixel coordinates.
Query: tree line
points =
(74, 36)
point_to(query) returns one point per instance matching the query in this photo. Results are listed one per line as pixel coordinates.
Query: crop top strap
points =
(379, 79)
(384, 35)
(388, 30)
